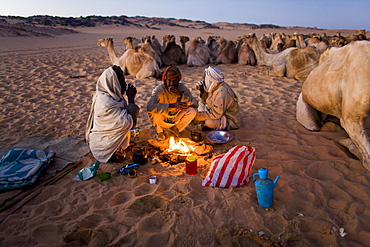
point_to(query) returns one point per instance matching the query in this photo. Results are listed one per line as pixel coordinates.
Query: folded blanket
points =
(20, 167)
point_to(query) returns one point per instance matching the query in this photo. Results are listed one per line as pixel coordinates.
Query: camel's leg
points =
(357, 133)
(142, 74)
(307, 115)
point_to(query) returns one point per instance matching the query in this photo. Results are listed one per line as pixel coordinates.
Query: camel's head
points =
(168, 37)
(200, 40)
(222, 42)
(249, 39)
(128, 40)
(105, 42)
(184, 39)
(146, 39)
(361, 31)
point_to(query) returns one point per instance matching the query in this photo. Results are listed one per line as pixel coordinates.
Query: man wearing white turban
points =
(219, 107)
(111, 118)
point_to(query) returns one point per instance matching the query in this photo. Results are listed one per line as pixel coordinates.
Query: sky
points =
(327, 14)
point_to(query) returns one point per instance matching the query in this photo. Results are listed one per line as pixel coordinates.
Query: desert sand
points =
(46, 85)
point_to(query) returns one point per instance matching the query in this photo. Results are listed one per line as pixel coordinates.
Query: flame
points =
(180, 146)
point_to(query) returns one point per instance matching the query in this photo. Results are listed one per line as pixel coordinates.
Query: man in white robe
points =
(111, 117)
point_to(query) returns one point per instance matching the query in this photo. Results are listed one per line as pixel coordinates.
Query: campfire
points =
(180, 146)
(175, 150)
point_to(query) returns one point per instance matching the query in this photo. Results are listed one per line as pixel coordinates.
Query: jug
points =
(264, 188)
(191, 165)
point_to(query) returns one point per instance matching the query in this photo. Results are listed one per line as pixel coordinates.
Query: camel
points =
(183, 40)
(277, 43)
(340, 86)
(293, 62)
(361, 34)
(173, 54)
(157, 47)
(246, 55)
(147, 47)
(167, 38)
(216, 44)
(265, 42)
(130, 42)
(198, 53)
(299, 40)
(338, 40)
(228, 54)
(132, 62)
(212, 42)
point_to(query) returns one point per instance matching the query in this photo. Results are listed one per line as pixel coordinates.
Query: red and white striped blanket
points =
(231, 169)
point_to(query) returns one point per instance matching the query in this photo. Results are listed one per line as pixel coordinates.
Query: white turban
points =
(212, 77)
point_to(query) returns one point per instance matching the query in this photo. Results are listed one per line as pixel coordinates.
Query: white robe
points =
(109, 123)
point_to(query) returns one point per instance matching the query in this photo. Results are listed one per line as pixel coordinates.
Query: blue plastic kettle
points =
(264, 188)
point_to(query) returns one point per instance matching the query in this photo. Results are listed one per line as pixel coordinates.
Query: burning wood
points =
(176, 150)
(180, 146)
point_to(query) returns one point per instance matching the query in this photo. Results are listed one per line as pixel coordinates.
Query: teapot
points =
(139, 156)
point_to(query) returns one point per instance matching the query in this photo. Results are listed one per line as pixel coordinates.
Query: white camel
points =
(132, 62)
(340, 86)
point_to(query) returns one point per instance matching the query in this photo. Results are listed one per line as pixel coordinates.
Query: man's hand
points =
(182, 106)
(131, 93)
(200, 87)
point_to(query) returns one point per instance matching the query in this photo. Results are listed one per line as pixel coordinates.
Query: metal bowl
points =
(219, 137)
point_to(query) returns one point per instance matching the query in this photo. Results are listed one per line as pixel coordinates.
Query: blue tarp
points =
(21, 167)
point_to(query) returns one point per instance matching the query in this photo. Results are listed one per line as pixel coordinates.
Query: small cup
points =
(152, 179)
(196, 136)
(132, 173)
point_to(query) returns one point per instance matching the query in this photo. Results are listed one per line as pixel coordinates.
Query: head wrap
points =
(171, 73)
(108, 83)
(212, 77)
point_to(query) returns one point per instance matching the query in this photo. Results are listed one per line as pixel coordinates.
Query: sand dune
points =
(46, 87)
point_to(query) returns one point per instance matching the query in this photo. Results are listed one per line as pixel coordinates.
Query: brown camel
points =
(246, 54)
(340, 86)
(173, 54)
(130, 42)
(292, 62)
(147, 47)
(265, 42)
(132, 61)
(198, 53)
(228, 54)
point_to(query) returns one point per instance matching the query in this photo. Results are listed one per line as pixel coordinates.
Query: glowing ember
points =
(180, 146)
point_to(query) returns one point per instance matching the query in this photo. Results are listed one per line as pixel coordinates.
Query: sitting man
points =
(111, 118)
(171, 106)
(219, 107)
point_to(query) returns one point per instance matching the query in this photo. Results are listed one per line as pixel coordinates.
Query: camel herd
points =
(335, 71)
(293, 56)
